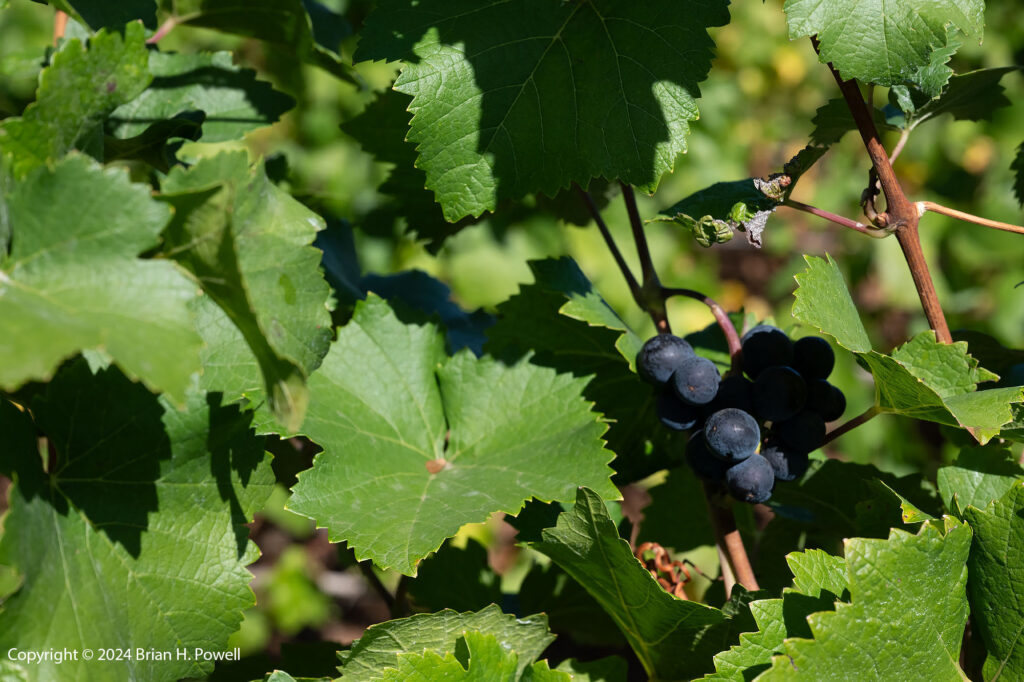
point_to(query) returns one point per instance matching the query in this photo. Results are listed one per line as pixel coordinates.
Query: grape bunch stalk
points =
(746, 431)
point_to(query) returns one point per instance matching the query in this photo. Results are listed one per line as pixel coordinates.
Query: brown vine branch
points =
(900, 214)
(923, 206)
(595, 213)
(164, 29)
(837, 219)
(863, 417)
(736, 565)
(721, 317)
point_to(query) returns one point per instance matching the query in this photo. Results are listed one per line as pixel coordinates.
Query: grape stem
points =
(634, 286)
(60, 25)
(650, 286)
(864, 416)
(900, 213)
(736, 564)
(837, 219)
(923, 206)
(728, 328)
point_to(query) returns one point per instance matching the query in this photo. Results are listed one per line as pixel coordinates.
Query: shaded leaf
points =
(97, 14)
(545, 93)
(978, 477)
(714, 212)
(485, 660)
(456, 578)
(972, 96)
(431, 443)
(832, 120)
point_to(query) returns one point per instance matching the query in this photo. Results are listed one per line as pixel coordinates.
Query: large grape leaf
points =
(417, 444)
(906, 616)
(485, 660)
(76, 92)
(566, 325)
(514, 97)
(923, 379)
(72, 281)
(972, 96)
(819, 580)
(996, 582)
(284, 22)
(248, 243)
(136, 536)
(673, 638)
(232, 100)
(885, 42)
(382, 645)
(978, 476)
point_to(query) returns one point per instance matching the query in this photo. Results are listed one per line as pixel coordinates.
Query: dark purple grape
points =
(813, 357)
(732, 434)
(778, 394)
(805, 431)
(696, 381)
(674, 413)
(751, 480)
(660, 356)
(733, 391)
(700, 459)
(825, 399)
(765, 346)
(788, 464)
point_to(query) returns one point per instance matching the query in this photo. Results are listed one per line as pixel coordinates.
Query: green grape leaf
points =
(567, 326)
(143, 498)
(679, 497)
(995, 586)
(713, 213)
(486, 660)
(972, 96)
(72, 281)
(876, 634)
(425, 443)
(1017, 166)
(283, 22)
(923, 379)
(570, 610)
(673, 638)
(247, 242)
(546, 94)
(97, 14)
(456, 578)
(989, 352)
(882, 43)
(233, 101)
(382, 645)
(832, 120)
(154, 144)
(979, 476)
(925, 83)
(76, 92)
(608, 669)
(818, 579)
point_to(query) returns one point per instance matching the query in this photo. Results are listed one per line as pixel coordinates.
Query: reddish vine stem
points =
(60, 25)
(864, 416)
(164, 29)
(901, 214)
(837, 219)
(967, 217)
(721, 317)
(730, 544)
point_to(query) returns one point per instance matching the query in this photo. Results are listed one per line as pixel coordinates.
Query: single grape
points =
(825, 399)
(765, 346)
(696, 381)
(660, 356)
(703, 463)
(751, 480)
(732, 434)
(805, 431)
(778, 394)
(788, 464)
(813, 357)
(733, 391)
(674, 413)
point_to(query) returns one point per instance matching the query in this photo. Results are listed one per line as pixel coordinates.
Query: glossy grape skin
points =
(696, 381)
(674, 413)
(804, 431)
(825, 399)
(732, 434)
(765, 346)
(700, 459)
(752, 480)
(778, 394)
(787, 464)
(813, 357)
(660, 356)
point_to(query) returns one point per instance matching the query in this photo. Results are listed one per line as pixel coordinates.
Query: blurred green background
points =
(756, 113)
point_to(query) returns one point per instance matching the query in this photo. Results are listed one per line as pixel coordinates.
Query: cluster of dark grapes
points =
(747, 431)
